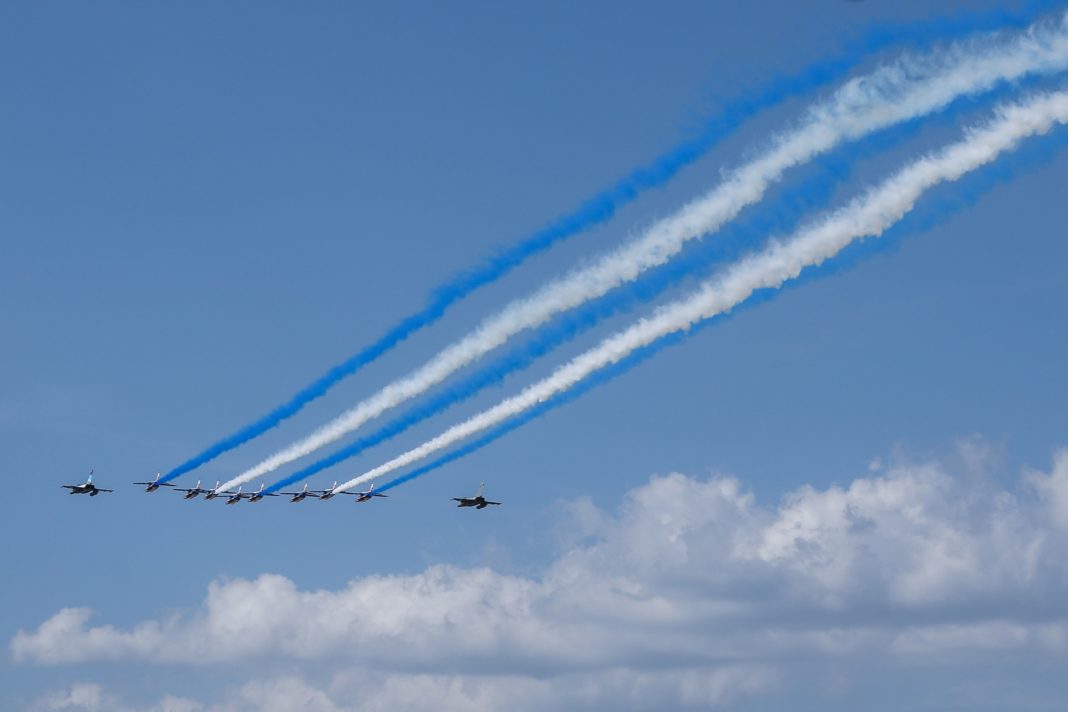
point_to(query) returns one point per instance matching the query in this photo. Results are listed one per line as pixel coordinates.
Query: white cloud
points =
(1053, 488)
(80, 696)
(361, 690)
(91, 697)
(692, 594)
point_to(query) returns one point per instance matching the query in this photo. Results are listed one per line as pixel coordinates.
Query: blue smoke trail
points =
(731, 242)
(967, 194)
(779, 216)
(948, 201)
(603, 205)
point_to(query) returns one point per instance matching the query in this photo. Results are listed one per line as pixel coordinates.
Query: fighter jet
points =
(235, 497)
(297, 496)
(258, 494)
(88, 488)
(327, 493)
(478, 501)
(154, 484)
(192, 492)
(366, 495)
(215, 492)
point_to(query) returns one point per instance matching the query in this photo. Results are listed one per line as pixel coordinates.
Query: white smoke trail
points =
(910, 87)
(868, 215)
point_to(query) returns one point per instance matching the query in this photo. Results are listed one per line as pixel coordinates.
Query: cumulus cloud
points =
(1053, 488)
(91, 697)
(80, 696)
(361, 690)
(692, 592)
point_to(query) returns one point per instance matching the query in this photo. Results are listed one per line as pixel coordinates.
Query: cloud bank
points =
(692, 594)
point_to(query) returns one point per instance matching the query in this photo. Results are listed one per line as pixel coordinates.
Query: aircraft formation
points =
(235, 496)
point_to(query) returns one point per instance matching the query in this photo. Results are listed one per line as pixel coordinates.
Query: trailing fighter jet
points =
(235, 497)
(478, 501)
(297, 496)
(154, 484)
(88, 488)
(213, 493)
(192, 492)
(258, 494)
(366, 495)
(327, 493)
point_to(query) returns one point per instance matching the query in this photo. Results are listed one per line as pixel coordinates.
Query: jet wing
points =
(158, 484)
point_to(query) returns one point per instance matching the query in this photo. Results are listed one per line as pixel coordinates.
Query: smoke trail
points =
(603, 205)
(1034, 154)
(782, 217)
(867, 216)
(793, 206)
(910, 87)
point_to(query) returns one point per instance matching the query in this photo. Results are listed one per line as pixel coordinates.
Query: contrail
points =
(910, 87)
(789, 210)
(604, 205)
(867, 216)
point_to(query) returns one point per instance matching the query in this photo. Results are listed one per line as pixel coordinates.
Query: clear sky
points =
(205, 205)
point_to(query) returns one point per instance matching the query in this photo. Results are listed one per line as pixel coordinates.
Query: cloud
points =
(1054, 489)
(360, 690)
(91, 697)
(80, 696)
(692, 594)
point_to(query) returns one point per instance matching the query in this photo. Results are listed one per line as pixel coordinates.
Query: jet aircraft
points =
(478, 501)
(154, 484)
(192, 492)
(327, 493)
(235, 497)
(88, 488)
(366, 495)
(258, 494)
(298, 496)
(215, 492)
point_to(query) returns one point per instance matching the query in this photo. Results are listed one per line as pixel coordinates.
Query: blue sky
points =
(206, 207)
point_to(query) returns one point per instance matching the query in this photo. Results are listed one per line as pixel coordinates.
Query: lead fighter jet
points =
(154, 484)
(88, 488)
(478, 501)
